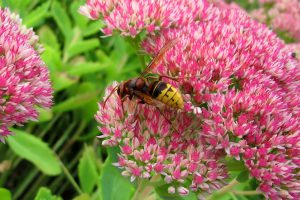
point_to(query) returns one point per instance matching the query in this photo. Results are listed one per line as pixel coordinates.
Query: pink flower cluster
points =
(130, 17)
(151, 145)
(241, 86)
(247, 86)
(226, 5)
(284, 16)
(24, 79)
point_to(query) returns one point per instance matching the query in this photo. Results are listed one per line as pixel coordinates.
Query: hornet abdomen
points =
(167, 94)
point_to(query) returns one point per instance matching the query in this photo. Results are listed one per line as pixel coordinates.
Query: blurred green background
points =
(59, 157)
(70, 160)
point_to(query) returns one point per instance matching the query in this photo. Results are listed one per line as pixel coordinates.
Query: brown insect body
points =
(147, 92)
(151, 91)
(131, 86)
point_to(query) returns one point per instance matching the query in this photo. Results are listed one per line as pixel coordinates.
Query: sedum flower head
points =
(151, 145)
(246, 83)
(241, 89)
(130, 17)
(24, 79)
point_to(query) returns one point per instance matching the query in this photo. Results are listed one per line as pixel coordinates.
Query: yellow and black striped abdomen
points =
(167, 94)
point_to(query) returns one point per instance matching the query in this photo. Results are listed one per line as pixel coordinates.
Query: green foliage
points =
(112, 183)
(62, 20)
(82, 197)
(87, 170)
(31, 148)
(243, 176)
(81, 64)
(235, 165)
(45, 194)
(45, 114)
(5, 194)
(37, 16)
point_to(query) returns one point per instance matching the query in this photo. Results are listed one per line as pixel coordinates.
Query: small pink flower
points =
(126, 150)
(171, 190)
(183, 191)
(24, 78)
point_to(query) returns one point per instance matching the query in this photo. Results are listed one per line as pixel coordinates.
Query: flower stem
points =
(145, 189)
(225, 189)
(135, 43)
(247, 193)
(228, 187)
(70, 178)
(139, 189)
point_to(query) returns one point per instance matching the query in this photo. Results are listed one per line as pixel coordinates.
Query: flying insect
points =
(150, 90)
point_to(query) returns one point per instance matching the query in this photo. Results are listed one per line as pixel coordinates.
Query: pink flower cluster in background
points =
(24, 79)
(283, 16)
(226, 5)
(241, 86)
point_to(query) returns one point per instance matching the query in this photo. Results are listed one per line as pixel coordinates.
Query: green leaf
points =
(120, 54)
(62, 81)
(3, 3)
(243, 176)
(82, 46)
(48, 37)
(82, 197)
(233, 196)
(113, 184)
(226, 196)
(87, 170)
(20, 5)
(5, 194)
(75, 102)
(89, 110)
(12, 4)
(44, 114)
(87, 68)
(45, 194)
(33, 149)
(93, 27)
(103, 57)
(52, 59)
(190, 196)
(23, 4)
(79, 19)
(63, 21)
(235, 165)
(35, 17)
